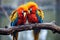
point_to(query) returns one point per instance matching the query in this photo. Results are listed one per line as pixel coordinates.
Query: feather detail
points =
(13, 16)
(39, 17)
(41, 14)
(14, 22)
(29, 4)
(14, 19)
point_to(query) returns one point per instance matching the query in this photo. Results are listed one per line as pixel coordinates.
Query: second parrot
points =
(35, 15)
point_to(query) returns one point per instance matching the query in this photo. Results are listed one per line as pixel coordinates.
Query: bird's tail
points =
(15, 36)
(36, 34)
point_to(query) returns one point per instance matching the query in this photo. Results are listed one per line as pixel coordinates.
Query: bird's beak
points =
(29, 11)
(24, 14)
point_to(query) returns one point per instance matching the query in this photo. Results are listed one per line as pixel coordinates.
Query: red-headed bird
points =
(34, 15)
(18, 17)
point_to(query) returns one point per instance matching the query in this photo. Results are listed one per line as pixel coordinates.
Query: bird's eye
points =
(30, 10)
(22, 12)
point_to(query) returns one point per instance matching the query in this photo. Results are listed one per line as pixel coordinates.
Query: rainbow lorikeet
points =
(34, 15)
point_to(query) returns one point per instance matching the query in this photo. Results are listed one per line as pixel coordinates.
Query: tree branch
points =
(48, 26)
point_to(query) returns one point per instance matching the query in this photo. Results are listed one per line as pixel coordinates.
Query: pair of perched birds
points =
(29, 11)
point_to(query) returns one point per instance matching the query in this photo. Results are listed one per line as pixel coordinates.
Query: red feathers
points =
(32, 18)
(21, 17)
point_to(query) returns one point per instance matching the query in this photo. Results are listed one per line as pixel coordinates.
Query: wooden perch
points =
(48, 26)
(6, 31)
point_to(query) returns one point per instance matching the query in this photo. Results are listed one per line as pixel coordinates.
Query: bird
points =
(34, 15)
(18, 17)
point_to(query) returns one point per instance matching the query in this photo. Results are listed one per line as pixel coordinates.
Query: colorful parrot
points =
(34, 15)
(18, 17)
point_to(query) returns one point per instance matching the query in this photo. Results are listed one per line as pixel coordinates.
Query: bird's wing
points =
(40, 13)
(40, 16)
(14, 18)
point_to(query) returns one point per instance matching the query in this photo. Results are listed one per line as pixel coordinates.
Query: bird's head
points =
(22, 9)
(32, 6)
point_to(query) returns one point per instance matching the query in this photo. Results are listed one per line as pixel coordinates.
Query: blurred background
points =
(51, 9)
